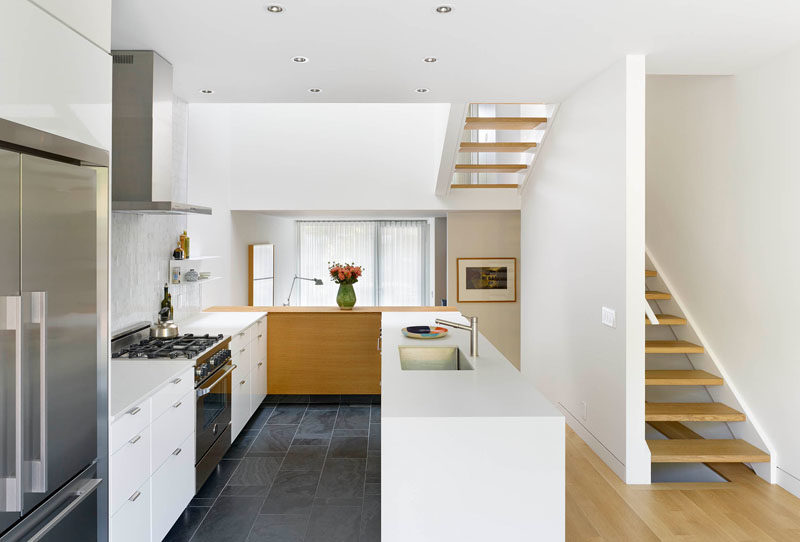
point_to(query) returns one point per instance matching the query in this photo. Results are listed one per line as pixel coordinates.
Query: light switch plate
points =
(609, 317)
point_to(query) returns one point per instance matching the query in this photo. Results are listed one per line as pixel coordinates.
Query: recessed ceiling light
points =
(274, 8)
(206, 91)
(430, 59)
(299, 59)
(444, 9)
(315, 90)
(423, 90)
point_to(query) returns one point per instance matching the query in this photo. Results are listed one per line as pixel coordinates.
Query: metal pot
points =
(164, 330)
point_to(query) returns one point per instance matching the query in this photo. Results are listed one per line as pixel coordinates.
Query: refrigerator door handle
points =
(36, 466)
(11, 473)
(79, 495)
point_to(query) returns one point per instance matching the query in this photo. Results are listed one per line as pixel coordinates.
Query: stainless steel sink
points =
(433, 358)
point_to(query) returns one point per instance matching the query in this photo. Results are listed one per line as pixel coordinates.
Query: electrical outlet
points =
(584, 410)
(609, 317)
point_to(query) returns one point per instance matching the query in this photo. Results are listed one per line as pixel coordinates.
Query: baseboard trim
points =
(789, 482)
(594, 443)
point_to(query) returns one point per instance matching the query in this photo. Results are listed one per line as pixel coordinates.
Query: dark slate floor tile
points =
(299, 399)
(259, 418)
(187, 524)
(312, 442)
(317, 424)
(375, 437)
(323, 406)
(278, 528)
(287, 414)
(305, 458)
(356, 399)
(351, 432)
(271, 399)
(240, 446)
(273, 438)
(245, 491)
(229, 520)
(201, 502)
(332, 523)
(292, 492)
(371, 519)
(351, 447)
(373, 470)
(256, 471)
(375, 414)
(353, 417)
(342, 479)
(376, 399)
(327, 399)
(371, 488)
(222, 473)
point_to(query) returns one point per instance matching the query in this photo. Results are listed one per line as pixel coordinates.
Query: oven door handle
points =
(207, 389)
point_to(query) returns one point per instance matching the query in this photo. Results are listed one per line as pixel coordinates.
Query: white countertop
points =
(494, 388)
(227, 323)
(134, 380)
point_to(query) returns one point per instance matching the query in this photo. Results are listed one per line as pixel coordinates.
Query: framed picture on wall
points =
(486, 280)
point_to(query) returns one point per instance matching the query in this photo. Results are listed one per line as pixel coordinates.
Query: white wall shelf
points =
(201, 281)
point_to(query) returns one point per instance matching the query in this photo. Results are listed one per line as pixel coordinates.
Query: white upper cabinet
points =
(90, 18)
(52, 78)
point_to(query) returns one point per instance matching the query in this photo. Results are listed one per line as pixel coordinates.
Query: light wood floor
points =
(601, 507)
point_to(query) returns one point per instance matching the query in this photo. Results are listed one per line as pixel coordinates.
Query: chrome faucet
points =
(472, 328)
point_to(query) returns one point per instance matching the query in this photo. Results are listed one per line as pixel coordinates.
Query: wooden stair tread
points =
(484, 186)
(681, 378)
(691, 412)
(667, 320)
(705, 451)
(652, 294)
(650, 273)
(468, 146)
(503, 123)
(490, 168)
(672, 347)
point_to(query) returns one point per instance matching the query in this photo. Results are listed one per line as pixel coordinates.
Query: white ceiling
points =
(372, 50)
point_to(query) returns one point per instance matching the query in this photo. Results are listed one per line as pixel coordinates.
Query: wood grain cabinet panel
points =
(324, 353)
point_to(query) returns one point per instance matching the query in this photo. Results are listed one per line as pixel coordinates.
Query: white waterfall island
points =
(467, 455)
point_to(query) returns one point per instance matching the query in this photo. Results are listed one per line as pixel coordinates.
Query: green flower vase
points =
(346, 298)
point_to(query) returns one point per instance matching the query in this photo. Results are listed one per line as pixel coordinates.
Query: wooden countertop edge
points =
(328, 309)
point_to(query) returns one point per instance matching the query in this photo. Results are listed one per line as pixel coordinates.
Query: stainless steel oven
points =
(213, 423)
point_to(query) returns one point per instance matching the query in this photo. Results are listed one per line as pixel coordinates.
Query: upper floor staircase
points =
(682, 444)
(494, 146)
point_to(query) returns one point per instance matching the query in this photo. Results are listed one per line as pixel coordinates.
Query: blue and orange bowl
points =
(424, 332)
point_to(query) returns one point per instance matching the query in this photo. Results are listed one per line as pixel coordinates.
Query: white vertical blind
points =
(393, 254)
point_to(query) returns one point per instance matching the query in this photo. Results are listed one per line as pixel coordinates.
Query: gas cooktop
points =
(184, 346)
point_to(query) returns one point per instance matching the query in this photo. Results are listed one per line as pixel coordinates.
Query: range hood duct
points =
(141, 147)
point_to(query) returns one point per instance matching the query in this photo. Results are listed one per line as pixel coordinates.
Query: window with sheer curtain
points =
(393, 253)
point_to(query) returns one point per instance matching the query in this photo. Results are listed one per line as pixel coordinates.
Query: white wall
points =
(722, 223)
(54, 79)
(323, 157)
(581, 229)
(249, 228)
(489, 234)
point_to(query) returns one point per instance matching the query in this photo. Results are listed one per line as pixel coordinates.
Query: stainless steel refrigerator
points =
(53, 306)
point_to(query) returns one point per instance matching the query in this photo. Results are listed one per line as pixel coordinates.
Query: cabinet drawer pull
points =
(177, 381)
(135, 439)
(135, 496)
(134, 411)
(176, 405)
(242, 382)
(260, 335)
(242, 350)
(177, 452)
(241, 334)
(260, 363)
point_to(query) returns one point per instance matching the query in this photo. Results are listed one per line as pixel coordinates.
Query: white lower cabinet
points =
(131, 523)
(240, 396)
(152, 472)
(173, 487)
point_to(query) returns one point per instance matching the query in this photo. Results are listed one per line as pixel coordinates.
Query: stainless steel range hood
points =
(141, 148)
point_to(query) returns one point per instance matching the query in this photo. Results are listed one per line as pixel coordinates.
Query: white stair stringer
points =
(751, 430)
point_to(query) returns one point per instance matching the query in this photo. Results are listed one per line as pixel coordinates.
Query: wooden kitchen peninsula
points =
(324, 350)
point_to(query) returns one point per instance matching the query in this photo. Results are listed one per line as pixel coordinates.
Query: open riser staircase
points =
(498, 144)
(690, 420)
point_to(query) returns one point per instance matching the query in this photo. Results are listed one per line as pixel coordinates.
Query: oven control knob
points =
(198, 371)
